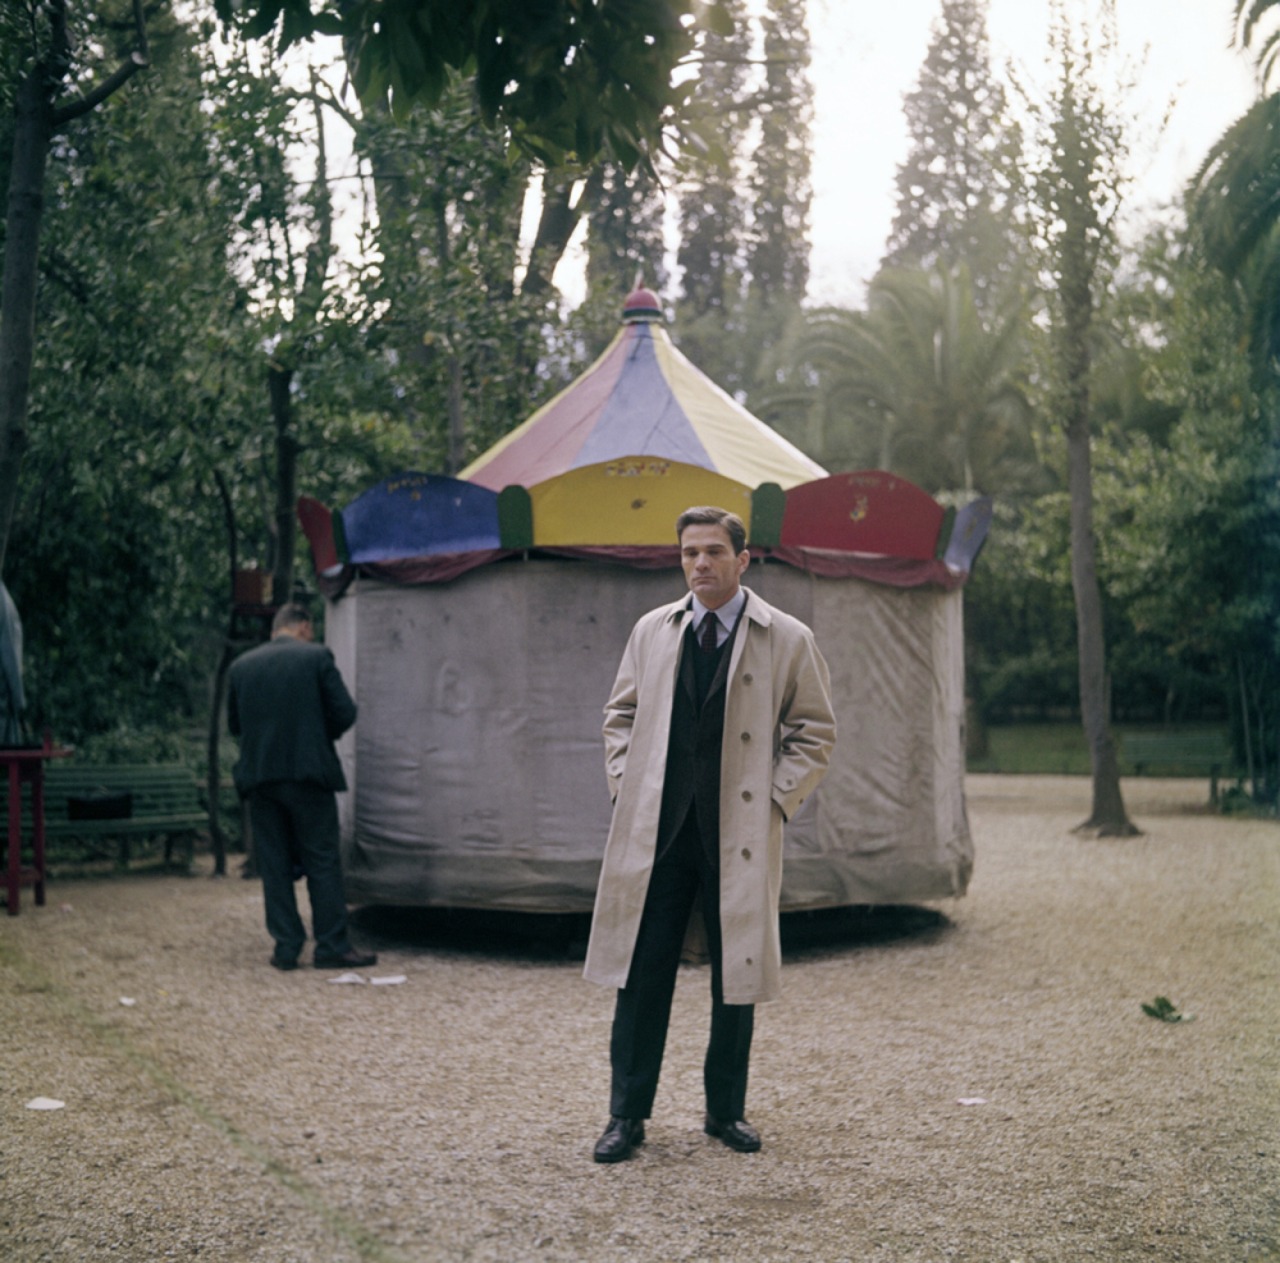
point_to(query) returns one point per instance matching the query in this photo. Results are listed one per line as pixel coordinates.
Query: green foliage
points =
(568, 81)
(1234, 212)
(149, 383)
(1195, 558)
(124, 744)
(452, 336)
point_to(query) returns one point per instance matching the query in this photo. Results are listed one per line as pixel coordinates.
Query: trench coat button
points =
(746, 736)
(746, 679)
(746, 795)
(746, 852)
(750, 961)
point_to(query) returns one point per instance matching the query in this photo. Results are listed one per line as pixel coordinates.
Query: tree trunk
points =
(280, 384)
(457, 418)
(218, 692)
(213, 771)
(32, 134)
(1108, 815)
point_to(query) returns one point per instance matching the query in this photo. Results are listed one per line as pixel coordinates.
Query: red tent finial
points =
(641, 306)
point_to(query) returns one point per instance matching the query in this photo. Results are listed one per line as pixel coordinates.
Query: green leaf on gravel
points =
(1164, 1010)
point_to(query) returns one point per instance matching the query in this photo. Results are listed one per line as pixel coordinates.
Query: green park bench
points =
(118, 802)
(1179, 753)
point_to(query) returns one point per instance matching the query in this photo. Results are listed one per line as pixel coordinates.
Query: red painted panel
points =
(317, 526)
(865, 512)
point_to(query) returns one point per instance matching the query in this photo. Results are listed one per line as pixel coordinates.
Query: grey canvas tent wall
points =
(476, 764)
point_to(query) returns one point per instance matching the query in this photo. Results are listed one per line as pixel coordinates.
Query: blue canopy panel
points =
(417, 515)
(643, 417)
(968, 534)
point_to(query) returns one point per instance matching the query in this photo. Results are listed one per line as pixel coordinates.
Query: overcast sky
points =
(866, 56)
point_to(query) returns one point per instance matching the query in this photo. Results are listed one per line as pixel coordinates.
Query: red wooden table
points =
(25, 766)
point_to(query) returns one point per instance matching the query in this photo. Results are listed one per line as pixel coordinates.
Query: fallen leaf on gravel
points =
(971, 1100)
(347, 978)
(128, 1001)
(1164, 1010)
(45, 1103)
(389, 981)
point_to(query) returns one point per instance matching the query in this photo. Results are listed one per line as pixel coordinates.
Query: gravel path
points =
(236, 1113)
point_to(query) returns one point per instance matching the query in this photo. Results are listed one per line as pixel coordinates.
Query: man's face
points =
(711, 567)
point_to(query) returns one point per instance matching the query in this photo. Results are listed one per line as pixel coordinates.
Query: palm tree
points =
(1249, 13)
(1235, 196)
(921, 383)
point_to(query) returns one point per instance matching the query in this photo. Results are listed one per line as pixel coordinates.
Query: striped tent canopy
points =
(642, 398)
(605, 468)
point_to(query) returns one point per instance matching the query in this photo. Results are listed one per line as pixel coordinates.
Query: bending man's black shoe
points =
(346, 960)
(619, 1139)
(737, 1135)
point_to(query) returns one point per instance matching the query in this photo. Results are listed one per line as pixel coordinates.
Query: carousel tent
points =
(481, 642)
(642, 398)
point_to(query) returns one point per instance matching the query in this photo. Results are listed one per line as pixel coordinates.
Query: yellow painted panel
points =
(632, 500)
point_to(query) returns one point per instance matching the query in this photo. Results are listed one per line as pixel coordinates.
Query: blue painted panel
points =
(418, 515)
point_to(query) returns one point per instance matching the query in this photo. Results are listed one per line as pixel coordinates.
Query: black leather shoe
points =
(737, 1134)
(284, 962)
(348, 960)
(619, 1139)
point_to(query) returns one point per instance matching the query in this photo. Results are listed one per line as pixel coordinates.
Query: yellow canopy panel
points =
(631, 500)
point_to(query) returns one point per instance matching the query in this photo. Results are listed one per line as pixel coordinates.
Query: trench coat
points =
(779, 730)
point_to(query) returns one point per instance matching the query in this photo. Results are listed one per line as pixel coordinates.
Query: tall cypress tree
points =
(961, 197)
(778, 258)
(744, 208)
(624, 231)
(712, 210)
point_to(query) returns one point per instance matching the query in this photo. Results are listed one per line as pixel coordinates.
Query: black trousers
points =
(291, 819)
(684, 872)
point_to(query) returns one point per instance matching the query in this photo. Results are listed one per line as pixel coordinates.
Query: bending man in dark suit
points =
(718, 727)
(287, 703)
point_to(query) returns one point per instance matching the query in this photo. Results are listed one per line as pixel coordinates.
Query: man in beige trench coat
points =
(718, 727)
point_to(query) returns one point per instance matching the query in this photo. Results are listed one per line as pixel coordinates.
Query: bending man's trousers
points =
(296, 821)
(685, 871)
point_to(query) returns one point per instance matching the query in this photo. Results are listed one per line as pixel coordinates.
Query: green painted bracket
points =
(515, 517)
(768, 502)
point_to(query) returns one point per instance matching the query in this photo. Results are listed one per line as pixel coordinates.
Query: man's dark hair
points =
(709, 515)
(291, 615)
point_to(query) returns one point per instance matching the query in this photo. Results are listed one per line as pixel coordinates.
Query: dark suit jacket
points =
(287, 703)
(692, 778)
